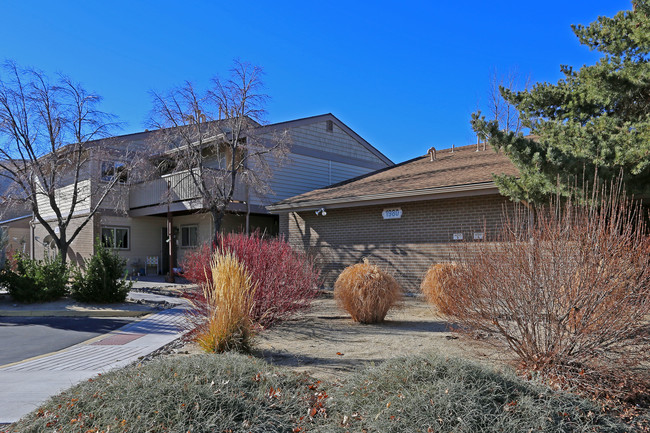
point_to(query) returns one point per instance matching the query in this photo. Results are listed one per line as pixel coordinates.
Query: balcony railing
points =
(182, 188)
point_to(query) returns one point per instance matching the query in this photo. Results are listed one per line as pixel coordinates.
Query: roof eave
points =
(450, 191)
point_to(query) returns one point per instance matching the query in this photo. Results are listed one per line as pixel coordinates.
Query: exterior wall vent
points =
(329, 126)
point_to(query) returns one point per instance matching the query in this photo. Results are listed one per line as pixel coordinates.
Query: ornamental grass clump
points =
(229, 392)
(429, 393)
(222, 320)
(434, 283)
(366, 292)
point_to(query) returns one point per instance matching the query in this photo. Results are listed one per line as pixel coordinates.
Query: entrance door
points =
(164, 252)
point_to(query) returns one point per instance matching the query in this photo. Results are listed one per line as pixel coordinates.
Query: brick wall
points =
(80, 249)
(405, 247)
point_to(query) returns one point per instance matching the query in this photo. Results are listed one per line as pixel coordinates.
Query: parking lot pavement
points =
(26, 337)
(27, 384)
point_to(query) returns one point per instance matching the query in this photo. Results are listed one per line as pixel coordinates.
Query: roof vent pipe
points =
(452, 148)
(432, 153)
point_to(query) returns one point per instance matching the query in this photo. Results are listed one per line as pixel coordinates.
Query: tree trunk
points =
(217, 219)
(63, 251)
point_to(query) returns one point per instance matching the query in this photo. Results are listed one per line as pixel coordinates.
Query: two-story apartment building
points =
(133, 218)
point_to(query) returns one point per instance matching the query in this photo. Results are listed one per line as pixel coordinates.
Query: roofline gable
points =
(329, 116)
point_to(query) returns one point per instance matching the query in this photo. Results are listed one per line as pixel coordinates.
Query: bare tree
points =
(499, 108)
(47, 131)
(216, 138)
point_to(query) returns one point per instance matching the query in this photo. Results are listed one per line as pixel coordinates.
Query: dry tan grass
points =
(366, 292)
(434, 282)
(229, 299)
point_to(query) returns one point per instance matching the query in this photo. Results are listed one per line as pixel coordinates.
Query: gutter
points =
(15, 219)
(483, 188)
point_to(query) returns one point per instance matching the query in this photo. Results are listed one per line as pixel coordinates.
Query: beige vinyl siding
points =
(116, 200)
(63, 197)
(316, 136)
(145, 236)
(341, 171)
(300, 173)
(204, 225)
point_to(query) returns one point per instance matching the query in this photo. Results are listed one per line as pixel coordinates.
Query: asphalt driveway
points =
(25, 337)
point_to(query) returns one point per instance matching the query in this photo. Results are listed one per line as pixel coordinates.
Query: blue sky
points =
(404, 75)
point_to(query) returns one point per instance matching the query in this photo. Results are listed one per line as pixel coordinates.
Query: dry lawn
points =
(326, 342)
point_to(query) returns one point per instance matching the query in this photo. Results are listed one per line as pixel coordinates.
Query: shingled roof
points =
(465, 171)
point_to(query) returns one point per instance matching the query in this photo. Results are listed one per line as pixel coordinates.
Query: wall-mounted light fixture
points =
(321, 212)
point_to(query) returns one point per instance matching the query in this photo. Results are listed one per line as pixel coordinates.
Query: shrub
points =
(434, 284)
(104, 279)
(434, 394)
(223, 316)
(286, 281)
(35, 280)
(569, 294)
(366, 292)
(203, 393)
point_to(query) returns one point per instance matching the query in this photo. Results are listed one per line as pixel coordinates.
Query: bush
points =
(223, 316)
(204, 393)
(286, 281)
(569, 294)
(104, 279)
(35, 280)
(435, 394)
(434, 283)
(366, 292)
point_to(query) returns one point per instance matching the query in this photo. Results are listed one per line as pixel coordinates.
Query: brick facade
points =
(405, 247)
(81, 248)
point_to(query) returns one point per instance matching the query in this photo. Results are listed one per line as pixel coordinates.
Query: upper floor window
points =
(111, 169)
(115, 237)
(189, 236)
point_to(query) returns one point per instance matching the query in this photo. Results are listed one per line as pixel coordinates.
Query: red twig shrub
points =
(434, 284)
(366, 292)
(287, 281)
(567, 288)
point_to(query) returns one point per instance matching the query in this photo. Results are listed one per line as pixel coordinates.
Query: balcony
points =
(153, 197)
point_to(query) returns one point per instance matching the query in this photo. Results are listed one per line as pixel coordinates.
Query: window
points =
(189, 236)
(110, 169)
(115, 237)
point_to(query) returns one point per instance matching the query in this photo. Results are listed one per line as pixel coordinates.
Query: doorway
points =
(164, 251)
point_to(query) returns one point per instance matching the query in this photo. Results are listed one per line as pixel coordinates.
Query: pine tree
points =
(594, 123)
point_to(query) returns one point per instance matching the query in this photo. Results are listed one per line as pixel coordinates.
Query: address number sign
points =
(392, 213)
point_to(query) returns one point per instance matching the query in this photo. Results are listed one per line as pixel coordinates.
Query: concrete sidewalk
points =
(27, 384)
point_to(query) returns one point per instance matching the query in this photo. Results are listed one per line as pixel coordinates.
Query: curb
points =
(82, 313)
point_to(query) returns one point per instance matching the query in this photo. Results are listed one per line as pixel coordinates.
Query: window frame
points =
(118, 169)
(189, 237)
(114, 230)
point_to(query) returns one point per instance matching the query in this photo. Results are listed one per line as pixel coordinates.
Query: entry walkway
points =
(27, 384)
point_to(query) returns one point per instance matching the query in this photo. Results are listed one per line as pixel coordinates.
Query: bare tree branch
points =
(216, 138)
(48, 132)
(499, 108)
